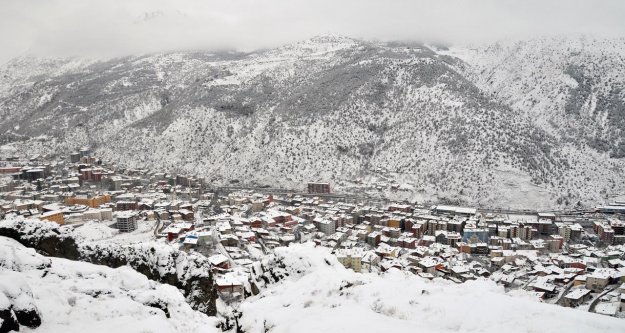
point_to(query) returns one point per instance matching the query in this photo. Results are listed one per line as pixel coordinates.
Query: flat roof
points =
(577, 293)
(51, 213)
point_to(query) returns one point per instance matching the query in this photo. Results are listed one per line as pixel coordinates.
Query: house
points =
(126, 221)
(229, 240)
(219, 261)
(369, 260)
(507, 279)
(54, 216)
(576, 297)
(598, 280)
(326, 226)
(497, 261)
(400, 208)
(172, 232)
(318, 188)
(544, 285)
(93, 202)
(453, 210)
(373, 238)
(580, 280)
(475, 235)
(607, 308)
(384, 250)
(387, 264)
(190, 241)
(350, 258)
(461, 273)
(428, 265)
(124, 205)
(229, 286)
(186, 214)
(615, 263)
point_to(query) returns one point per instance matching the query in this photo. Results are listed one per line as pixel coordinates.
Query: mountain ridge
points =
(329, 108)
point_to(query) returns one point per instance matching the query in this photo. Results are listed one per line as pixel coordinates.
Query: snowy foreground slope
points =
(322, 296)
(313, 293)
(72, 296)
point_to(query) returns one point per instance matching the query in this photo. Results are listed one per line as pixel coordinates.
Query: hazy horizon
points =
(111, 28)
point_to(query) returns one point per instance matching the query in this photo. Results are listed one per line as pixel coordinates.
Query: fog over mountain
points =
(120, 28)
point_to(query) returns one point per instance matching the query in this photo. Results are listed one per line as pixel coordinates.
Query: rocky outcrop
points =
(158, 262)
(47, 238)
(189, 273)
(8, 322)
(54, 294)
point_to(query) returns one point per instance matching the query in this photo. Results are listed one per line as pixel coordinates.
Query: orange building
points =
(393, 223)
(54, 216)
(91, 202)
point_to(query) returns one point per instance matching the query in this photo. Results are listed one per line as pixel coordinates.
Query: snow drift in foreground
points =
(321, 296)
(72, 296)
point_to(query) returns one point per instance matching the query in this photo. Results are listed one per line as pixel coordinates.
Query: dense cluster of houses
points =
(84, 189)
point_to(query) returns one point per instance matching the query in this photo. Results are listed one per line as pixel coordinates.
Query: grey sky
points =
(119, 27)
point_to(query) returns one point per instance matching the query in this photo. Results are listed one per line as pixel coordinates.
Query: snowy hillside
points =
(481, 126)
(321, 295)
(69, 296)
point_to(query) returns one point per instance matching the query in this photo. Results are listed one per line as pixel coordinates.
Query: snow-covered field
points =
(322, 296)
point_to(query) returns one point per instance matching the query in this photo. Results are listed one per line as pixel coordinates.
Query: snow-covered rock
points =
(155, 260)
(72, 296)
(16, 302)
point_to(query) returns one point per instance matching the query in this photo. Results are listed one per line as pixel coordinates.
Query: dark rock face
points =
(199, 290)
(201, 294)
(12, 318)
(196, 281)
(50, 243)
(29, 318)
(9, 322)
(161, 306)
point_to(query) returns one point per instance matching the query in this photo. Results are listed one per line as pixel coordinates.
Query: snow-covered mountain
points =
(521, 124)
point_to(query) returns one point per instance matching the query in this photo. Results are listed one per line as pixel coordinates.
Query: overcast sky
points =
(118, 27)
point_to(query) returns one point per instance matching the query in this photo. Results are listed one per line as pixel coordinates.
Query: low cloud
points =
(106, 28)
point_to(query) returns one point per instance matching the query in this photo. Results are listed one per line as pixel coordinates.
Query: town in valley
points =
(566, 258)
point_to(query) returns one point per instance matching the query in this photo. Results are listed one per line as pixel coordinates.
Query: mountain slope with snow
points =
(319, 294)
(462, 127)
(574, 89)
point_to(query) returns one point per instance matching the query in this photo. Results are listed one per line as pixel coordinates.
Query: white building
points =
(126, 221)
(328, 227)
